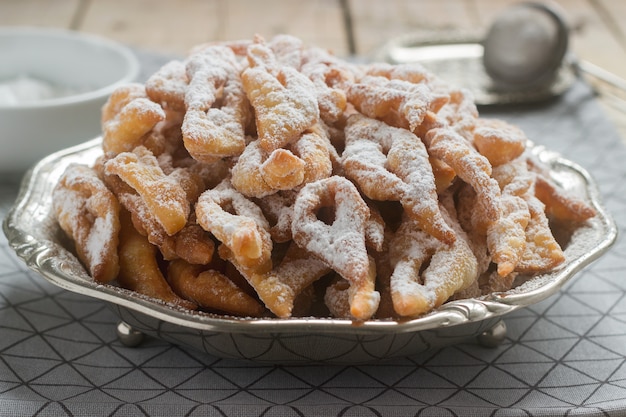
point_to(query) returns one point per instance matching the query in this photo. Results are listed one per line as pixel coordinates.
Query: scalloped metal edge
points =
(32, 233)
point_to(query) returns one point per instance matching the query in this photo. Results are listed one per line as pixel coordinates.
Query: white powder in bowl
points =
(26, 89)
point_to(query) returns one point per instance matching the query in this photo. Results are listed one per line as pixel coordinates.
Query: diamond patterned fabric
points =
(60, 356)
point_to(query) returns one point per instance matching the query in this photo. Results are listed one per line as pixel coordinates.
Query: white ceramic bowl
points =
(81, 71)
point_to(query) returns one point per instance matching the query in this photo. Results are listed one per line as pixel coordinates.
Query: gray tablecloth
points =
(59, 354)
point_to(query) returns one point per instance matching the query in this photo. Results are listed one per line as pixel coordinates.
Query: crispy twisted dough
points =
(282, 97)
(414, 73)
(282, 170)
(414, 292)
(127, 116)
(287, 49)
(375, 230)
(341, 245)
(139, 269)
(331, 76)
(443, 173)
(542, 250)
(502, 240)
(164, 197)
(352, 181)
(165, 137)
(191, 243)
(460, 112)
(559, 204)
(473, 168)
(514, 178)
(245, 233)
(257, 173)
(278, 210)
(337, 294)
(499, 141)
(280, 287)
(213, 132)
(89, 213)
(239, 46)
(466, 212)
(391, 164)
(397, 102)
(314, 149)
(168, 85)
(506, 237)
(210, 289)
(337, 297)
(146, 224)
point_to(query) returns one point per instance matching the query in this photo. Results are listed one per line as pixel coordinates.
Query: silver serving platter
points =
(35, 237)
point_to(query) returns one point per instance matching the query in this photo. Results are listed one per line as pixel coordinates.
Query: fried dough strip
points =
(331, 77)
(168, 85)
(282, 170)
(391, 164)
(341, 245)
(210, 289)
(397, 102)
(414, 293)
(191, 243)
(287, 50)
(278, 209)
(245, 233)
(473, 168)
(313, 148)
(257, 173)
(560, 205)
(460, 112)
(164, 197)
(127, 116)
(466, 209)
(542, 250)
(498, 141)
(139, 269)
(89, 214)
(282, 97)
(506, 237)
(213, 132)
(280, 287)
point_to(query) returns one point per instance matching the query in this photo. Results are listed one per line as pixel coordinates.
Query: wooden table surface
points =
(344, 26)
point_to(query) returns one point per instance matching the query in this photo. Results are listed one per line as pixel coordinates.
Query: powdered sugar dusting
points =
(298, 164)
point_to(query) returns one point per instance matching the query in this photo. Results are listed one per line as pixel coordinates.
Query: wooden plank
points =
(613, 14)
(488, 10)
(376, 22)
(317, 23)
(155, 25)
(40, 13)
(592, 39)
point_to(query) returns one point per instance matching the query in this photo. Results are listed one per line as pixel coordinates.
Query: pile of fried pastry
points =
(266, 178)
